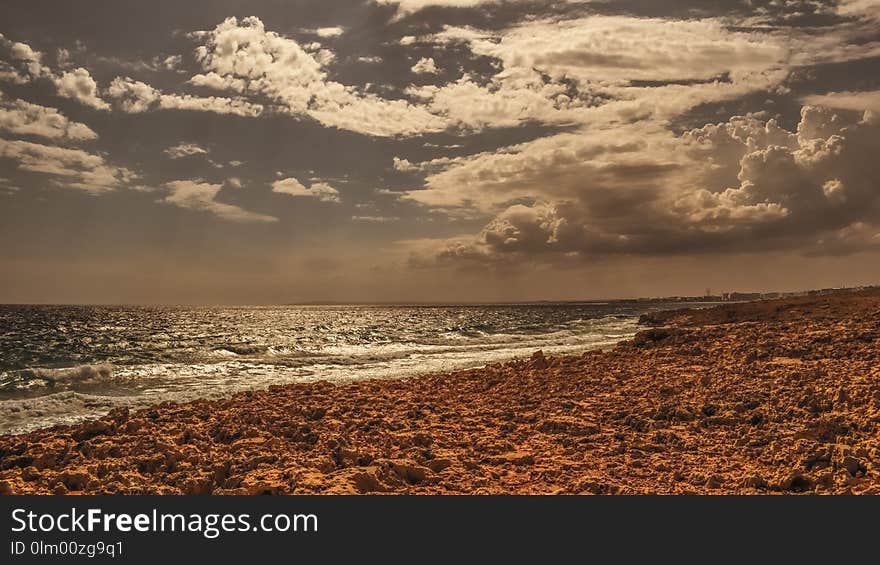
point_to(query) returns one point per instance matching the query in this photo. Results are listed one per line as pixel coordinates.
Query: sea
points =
(64, 364)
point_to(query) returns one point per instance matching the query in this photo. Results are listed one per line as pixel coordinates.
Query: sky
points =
(267, 152)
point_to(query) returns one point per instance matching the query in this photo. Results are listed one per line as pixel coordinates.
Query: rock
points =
(755, 482)
(30, 474)
(538, 361)
(518, 458)
(438, 465)
(853, 465)
(74, 480)
(413, 474)
(797, 482)
(90, 429)
(367, 481)
(651, 336)
(198, 486)
(569, 426)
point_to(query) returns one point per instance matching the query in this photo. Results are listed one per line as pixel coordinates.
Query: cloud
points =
(405, 7)
(182, 150)
(201, 196)
(742, 185)
(621, 49)
(318, 190)
(24, 118)
(601, 69)
(375, 219)
(865, 9)
(243, 56)
(26, 63)
(425, 65)
(858, 101)
(80, 86)
(326, 32)
(172, 62)
(136, 97)
(70, 168)
(133, 96)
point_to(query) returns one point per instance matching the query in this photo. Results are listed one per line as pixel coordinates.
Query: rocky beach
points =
(777, 396)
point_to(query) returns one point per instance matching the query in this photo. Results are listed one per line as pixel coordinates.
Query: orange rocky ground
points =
(778, 396)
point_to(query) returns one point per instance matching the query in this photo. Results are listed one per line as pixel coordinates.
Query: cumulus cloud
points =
(171, 62)
(70, 168)
(25, 64)
(801, 189)
(136, 97)
(243, 56)
(317, 190)
(202, 197)
(20, 117)
(80, 86)
(182, 150)
(425, 65)
(133, 96)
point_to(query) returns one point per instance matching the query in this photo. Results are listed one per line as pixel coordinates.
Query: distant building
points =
(741, 296)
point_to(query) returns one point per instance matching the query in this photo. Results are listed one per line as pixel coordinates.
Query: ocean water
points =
(63, 364)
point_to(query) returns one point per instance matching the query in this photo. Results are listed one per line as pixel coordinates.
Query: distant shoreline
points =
(771, 396)
(724, 297)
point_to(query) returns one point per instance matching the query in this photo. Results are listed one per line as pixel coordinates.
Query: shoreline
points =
(771, 396)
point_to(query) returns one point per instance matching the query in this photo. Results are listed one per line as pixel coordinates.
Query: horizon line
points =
(680, 297)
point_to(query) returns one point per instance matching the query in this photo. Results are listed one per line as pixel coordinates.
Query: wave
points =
(58, 379)
(37, 397)
(17, 416)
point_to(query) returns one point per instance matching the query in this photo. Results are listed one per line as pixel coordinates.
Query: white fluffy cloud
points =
(201, 196)
(243, 56)
(27, 65)
(602, 69)
(409, 6)
(135, 97)
(317, 190)
(425, 65)
(70, 168)
(24, 118)
(182, 150)
(745, 184)
(332, 31)
(80, 86)
(620, 49)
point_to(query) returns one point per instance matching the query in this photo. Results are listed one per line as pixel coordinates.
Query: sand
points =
(777, 396)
